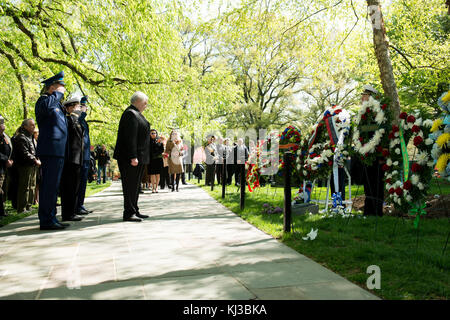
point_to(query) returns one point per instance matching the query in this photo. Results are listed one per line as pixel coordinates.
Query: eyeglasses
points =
(153, 133)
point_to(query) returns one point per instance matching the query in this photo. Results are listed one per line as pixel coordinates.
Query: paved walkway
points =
(190, 248)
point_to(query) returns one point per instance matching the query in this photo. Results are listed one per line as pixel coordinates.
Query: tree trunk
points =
(384, 61)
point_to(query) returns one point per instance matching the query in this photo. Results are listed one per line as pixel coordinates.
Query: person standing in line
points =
(219, 163)
(174, 149)
(165, 178)
(211, 156)
(51, 148)
(84, 172)
(38, 171)
(156, 159)
(240, 157)
(5, 162)
(27, 163)
(70, 180)
(132, 153)
(103, 159)
(229, 159)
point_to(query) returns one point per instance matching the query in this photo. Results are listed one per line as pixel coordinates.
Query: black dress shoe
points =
(83, 212)
(73, 218)
(132, 218)
(142, 216)
(55, 226)
(64, 224)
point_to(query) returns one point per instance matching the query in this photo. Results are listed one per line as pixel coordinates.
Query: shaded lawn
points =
(349, 245)
(92, 188)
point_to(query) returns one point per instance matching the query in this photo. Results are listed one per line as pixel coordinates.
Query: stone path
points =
(191, 247)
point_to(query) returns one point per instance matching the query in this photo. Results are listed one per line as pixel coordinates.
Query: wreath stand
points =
(327, 200)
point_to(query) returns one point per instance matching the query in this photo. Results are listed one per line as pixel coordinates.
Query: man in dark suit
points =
(51, 148)
(81, 210)
(132, 153)
(70, 180)
(240, 152)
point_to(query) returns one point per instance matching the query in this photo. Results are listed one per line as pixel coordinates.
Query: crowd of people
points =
(220, 153)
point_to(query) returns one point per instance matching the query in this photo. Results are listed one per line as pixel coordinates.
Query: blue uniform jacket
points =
(52, 123)
(87, 140)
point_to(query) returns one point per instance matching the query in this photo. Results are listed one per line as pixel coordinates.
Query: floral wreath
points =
(254, 164)
(366, 145)
(407, 186)
(316, 157)
(441, 135)
(290, 139)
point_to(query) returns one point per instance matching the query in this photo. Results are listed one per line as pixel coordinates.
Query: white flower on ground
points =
(311, 235)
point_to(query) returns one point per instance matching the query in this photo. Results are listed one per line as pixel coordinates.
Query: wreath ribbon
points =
(404, 155)
(418, 210)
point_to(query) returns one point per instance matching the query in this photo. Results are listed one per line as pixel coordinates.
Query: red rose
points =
(363, 117)
(385, 167)
(418, 140)
(383, 107)
(361, 139)
(411, 119)
(385, 152)
(379, 148)
(416, 167)
(403, 115)
(368, 110)
(391, 190)
(415, 129)
(388, 180)
(391, 136)
(362, 158)
(395, 128)
(407, 185)
(399, 191)
(330, 163)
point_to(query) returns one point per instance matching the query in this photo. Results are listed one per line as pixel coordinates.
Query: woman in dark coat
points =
(156, 159)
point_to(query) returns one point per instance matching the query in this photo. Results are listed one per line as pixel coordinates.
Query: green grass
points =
(92, 188)
(349, 246)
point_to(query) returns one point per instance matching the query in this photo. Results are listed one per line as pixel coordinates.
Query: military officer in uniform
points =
(70, 179)
(81, 210)
(5, 161)
(51, 148)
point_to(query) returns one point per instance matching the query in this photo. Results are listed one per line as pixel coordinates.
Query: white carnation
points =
(389, 162)
(428, 123)
(420, 186)
(397, 151)
(414, 179)
(428, 141)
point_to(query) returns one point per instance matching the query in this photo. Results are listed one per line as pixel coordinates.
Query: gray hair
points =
(25, 122)
(138, 96)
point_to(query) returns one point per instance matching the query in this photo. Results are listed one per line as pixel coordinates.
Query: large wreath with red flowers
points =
(407, 179)
(317, 154)
(370, 144)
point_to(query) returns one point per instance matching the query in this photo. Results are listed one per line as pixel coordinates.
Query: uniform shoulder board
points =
(44, 95)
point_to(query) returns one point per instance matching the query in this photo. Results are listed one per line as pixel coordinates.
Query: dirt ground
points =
(436, 207)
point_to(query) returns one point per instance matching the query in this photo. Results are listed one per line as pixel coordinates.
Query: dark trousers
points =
(219, 172)
(131, 179)
(373, 189)
(52, 168)
(25, 192)
(165, 178)
(70, 184)
(83, 183)
(100, 170)
(2, 183)
(209, 177)
(237, 173)
(230, 172)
